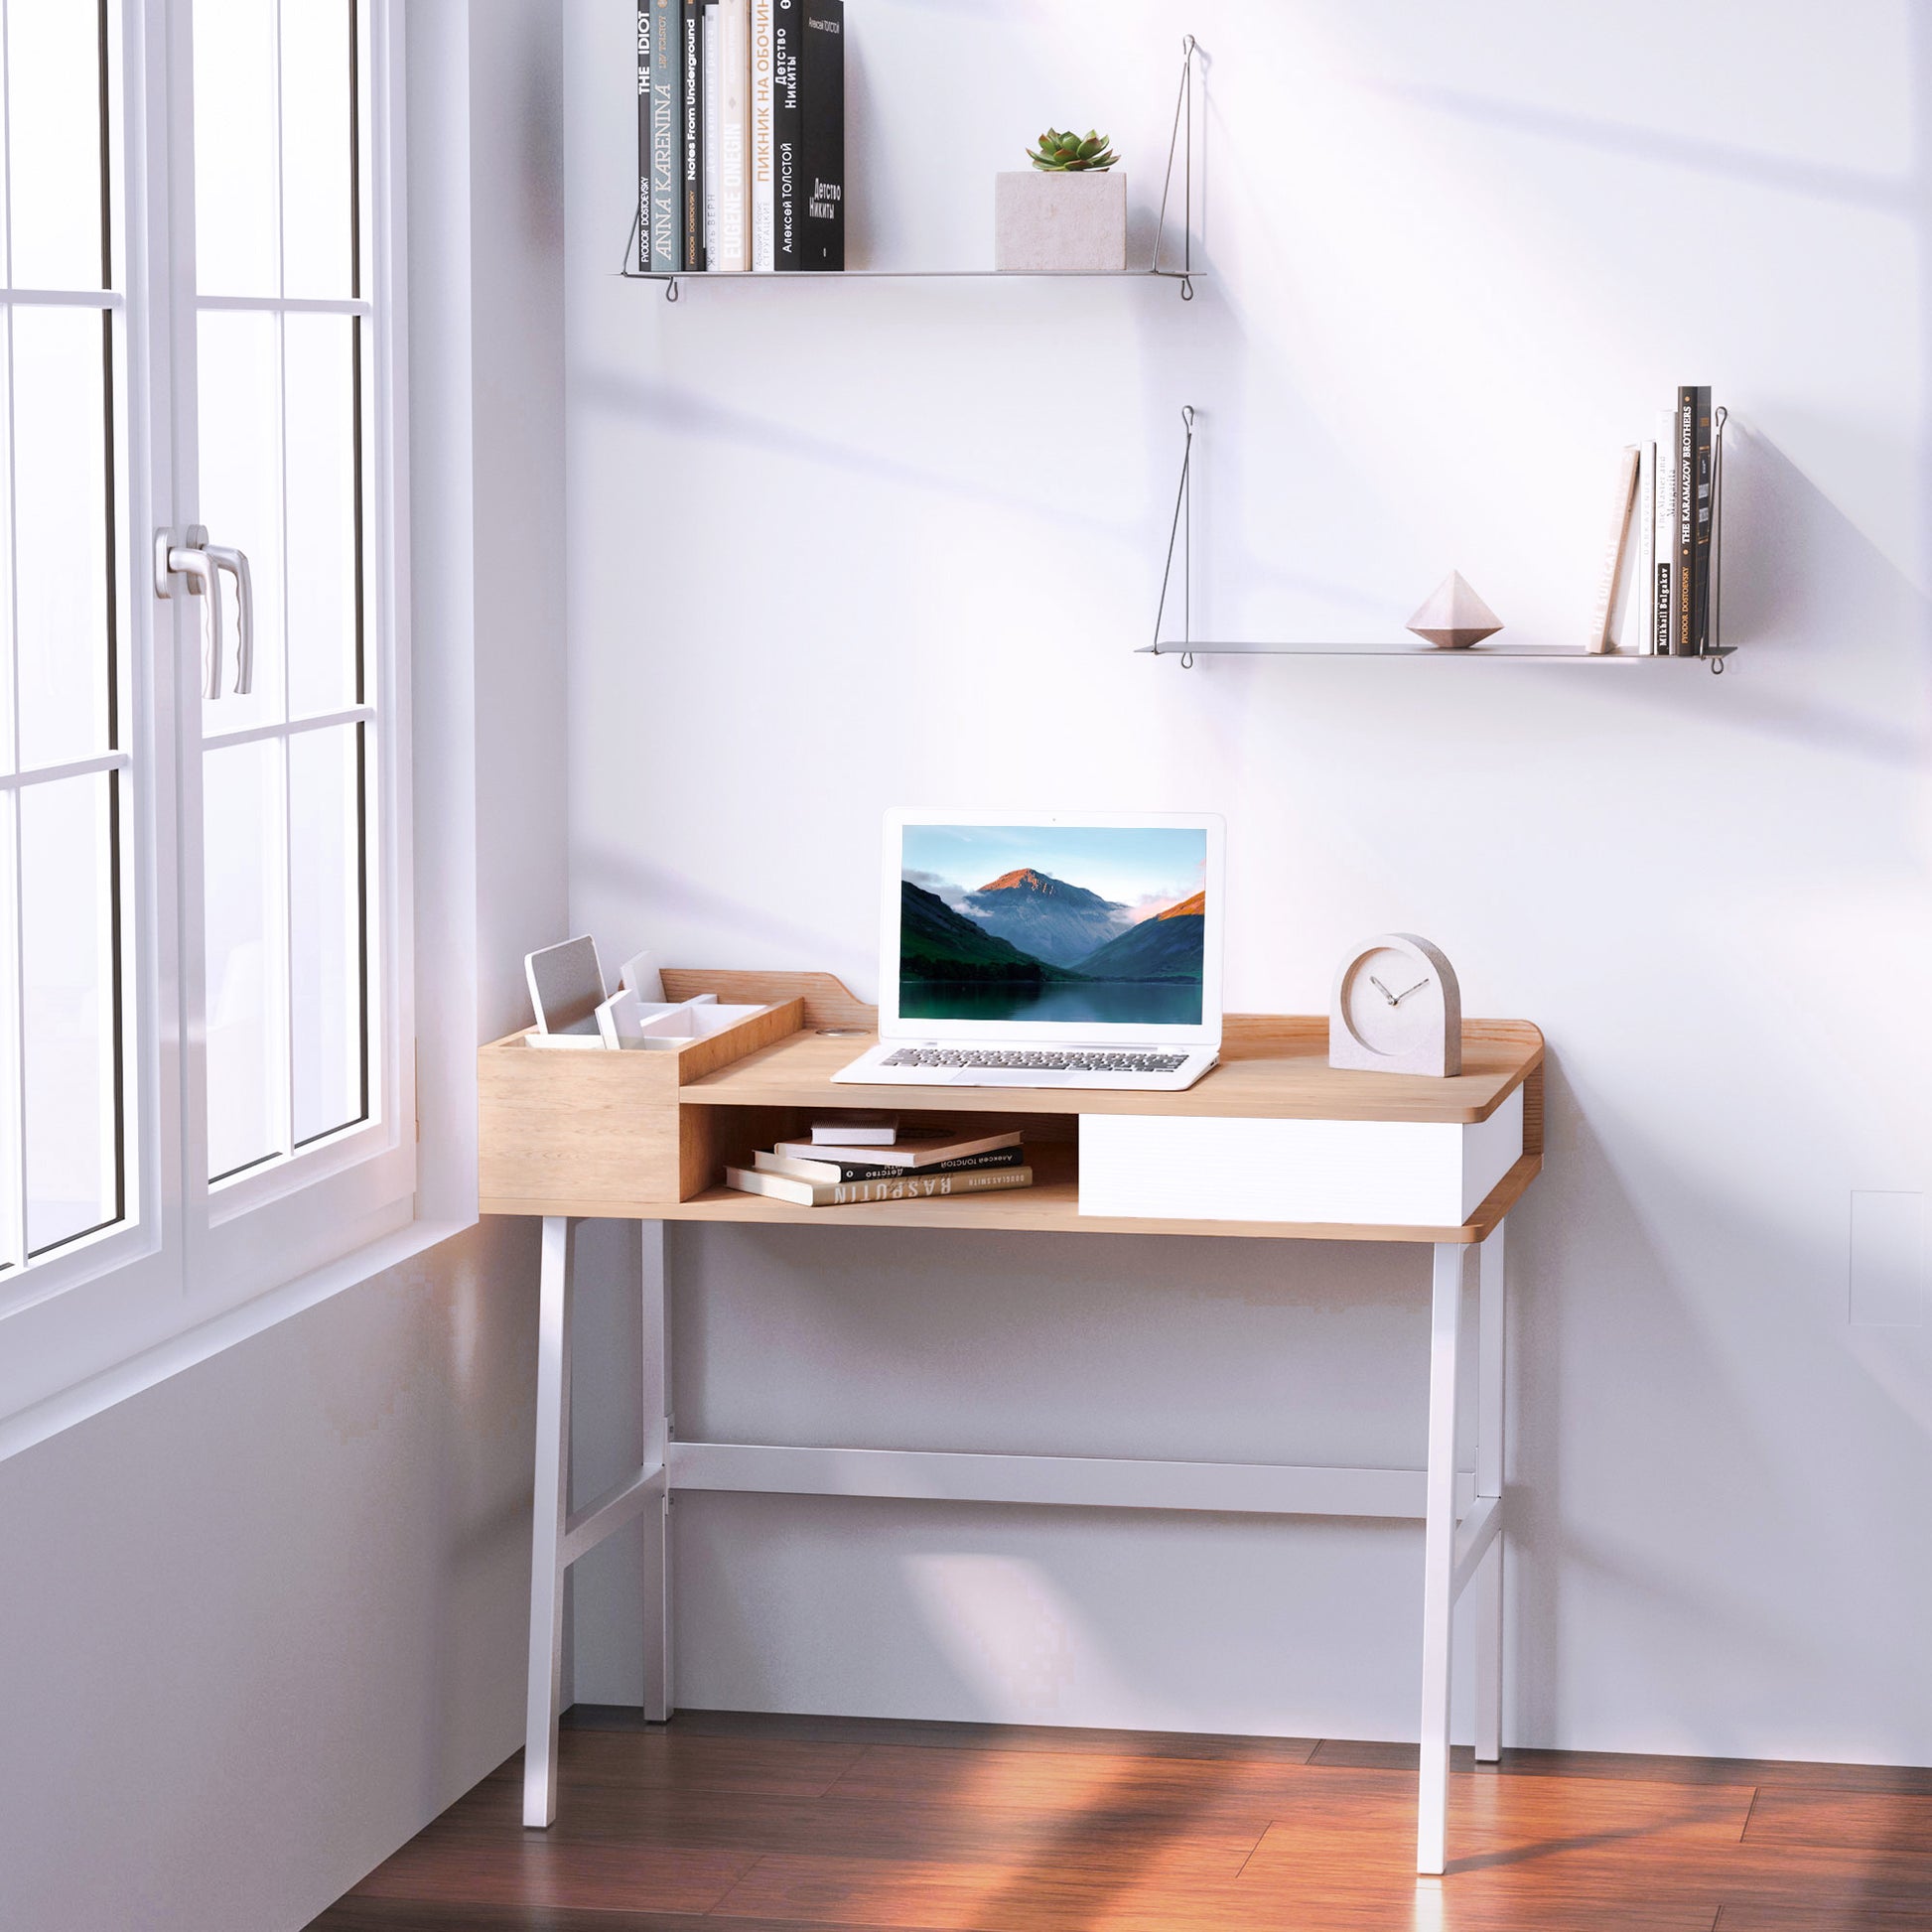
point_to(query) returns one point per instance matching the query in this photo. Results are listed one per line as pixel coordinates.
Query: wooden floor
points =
(759, 1823)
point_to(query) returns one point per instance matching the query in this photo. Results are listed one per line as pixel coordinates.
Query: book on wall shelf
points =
(741, 136)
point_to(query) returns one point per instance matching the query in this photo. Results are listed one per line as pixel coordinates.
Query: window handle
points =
(235, 563)
(196, 567)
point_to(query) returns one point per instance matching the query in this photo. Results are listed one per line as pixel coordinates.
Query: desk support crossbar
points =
(623, 1502)
(1270, 1489)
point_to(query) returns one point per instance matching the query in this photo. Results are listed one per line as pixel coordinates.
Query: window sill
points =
(38, 1420)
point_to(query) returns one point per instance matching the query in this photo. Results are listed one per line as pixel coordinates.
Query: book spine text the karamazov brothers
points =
(1684, 460)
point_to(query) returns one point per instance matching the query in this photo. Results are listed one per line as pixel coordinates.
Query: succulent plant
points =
(1071, 153)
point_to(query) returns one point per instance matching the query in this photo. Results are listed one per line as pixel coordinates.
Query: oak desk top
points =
(1273, 1067)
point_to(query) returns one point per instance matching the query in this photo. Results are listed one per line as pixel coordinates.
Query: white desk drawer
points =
(1378, 1173)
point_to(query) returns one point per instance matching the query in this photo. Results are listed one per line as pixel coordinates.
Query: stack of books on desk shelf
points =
(740, 135)
(1662, 520)
(848, 1161)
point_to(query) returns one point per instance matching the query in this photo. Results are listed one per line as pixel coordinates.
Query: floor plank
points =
(747, 1823)
(1848, 1820)
(359, 1913)
(934, 1735)
(1843, 1916)
(1080, 1782)
(532, 1868)
(1358, 1754)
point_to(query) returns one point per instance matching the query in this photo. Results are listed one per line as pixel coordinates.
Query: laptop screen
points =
(1065, 924)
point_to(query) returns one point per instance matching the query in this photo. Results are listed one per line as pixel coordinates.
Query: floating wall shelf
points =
(1180, 542)
(1545, 654)
(1181, 146)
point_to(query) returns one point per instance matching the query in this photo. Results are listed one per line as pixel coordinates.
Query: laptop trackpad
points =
(1003, 1076)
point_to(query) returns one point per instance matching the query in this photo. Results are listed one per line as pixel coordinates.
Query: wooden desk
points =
(645, 1136)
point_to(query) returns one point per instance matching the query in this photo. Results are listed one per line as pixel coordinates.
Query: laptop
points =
(1047, 949)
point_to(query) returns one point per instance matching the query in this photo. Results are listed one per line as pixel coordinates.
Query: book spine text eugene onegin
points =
(643, 135)
(708, 130)
(758, 193)
(666, 94)
(734, 77)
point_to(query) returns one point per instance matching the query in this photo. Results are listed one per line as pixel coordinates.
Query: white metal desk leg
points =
(1439, 1556)
(1491, 1308)
(547, 1519)
(659, 1699)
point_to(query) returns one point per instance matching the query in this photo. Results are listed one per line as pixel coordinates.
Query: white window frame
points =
(188, 1254)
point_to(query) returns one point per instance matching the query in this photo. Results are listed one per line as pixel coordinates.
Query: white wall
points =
(839, 547)
(267, 1618)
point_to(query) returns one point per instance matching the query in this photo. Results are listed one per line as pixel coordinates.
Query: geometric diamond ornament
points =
(1453, 616)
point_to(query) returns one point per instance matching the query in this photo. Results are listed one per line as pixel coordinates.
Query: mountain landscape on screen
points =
(1167, 946)
(1070, 934)
(1075, 926)
(937, 943)
(1045, 917)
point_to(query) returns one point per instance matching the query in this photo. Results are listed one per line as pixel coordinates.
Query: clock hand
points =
(1398, 997)
(1383, 990)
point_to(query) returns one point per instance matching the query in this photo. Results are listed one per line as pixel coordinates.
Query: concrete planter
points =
(1062, 222)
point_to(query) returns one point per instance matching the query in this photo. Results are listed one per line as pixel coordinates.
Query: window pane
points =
(317, 158)
(241, 414)
(241, 813)
(53, 142)
(322, 569)
(69, 998)
(237, 239)
(326, 929)
(61, 526)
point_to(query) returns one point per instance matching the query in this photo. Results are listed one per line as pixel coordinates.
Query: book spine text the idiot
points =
(643, 134)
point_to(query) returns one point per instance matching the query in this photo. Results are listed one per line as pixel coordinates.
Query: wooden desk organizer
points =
(648, 1134)
(562, 1130)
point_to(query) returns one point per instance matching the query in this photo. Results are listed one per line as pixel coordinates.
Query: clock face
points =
(1392, 1001)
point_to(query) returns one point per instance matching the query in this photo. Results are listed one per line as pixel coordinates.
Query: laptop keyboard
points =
(1049, 1062)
